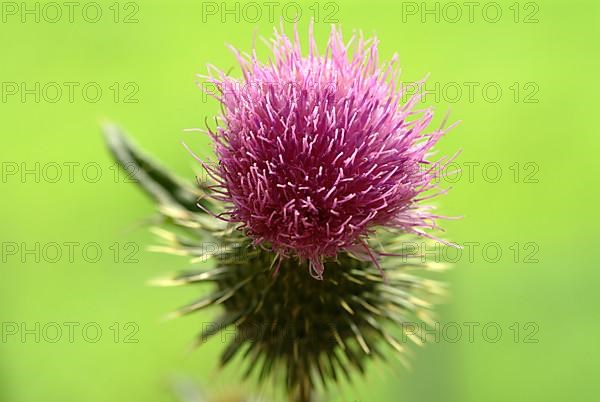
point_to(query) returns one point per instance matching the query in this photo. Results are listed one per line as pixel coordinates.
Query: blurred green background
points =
(59, 187)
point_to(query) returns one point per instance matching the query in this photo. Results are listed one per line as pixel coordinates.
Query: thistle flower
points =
(315, 151)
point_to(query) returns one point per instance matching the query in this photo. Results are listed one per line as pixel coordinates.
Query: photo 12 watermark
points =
(54, 12)
(471, 332)
(68, 332)
(68, 92)
(490, 172)
(471, 91)
(269, 11)
(69, 252)
(489, 252)
(452, 12)
(67, 172)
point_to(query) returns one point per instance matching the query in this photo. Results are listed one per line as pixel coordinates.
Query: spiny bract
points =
(311, 333)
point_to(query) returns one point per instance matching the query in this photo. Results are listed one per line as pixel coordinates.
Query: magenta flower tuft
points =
(317, 150)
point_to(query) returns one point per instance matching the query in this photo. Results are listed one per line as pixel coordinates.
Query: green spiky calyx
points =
(312, 333)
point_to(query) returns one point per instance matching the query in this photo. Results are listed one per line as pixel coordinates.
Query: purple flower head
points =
(317, 150)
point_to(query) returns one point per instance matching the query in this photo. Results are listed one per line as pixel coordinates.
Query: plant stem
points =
(302, 393)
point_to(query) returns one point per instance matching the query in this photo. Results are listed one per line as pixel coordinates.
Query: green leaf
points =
(163, 186)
